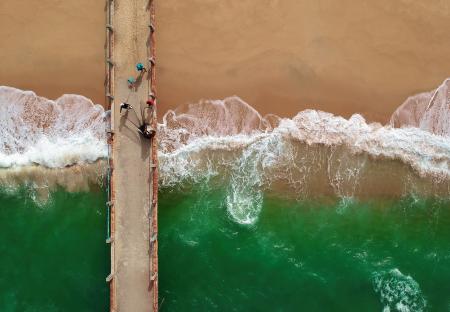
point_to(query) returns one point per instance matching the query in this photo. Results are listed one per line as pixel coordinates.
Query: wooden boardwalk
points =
(133, 187)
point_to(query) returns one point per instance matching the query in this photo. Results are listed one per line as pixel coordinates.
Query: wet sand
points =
(279, 56)
(42, 181)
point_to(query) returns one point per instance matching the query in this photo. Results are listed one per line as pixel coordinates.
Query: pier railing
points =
(151, 48)
(110, 102)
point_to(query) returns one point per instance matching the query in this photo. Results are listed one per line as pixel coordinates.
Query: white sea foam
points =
(184, 135)
(398, 292)
(428, 111)
(229, 143)
(54, 134)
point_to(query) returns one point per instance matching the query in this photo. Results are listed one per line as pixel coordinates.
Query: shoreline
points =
(312, 60)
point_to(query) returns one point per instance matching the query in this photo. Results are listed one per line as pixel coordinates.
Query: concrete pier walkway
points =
(133, 278)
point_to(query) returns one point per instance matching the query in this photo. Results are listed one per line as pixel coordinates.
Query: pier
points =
(132, 172)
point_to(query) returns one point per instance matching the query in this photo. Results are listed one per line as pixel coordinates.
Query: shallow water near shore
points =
(326, 254)
(321, 255)
(314, 212)
(53, 254)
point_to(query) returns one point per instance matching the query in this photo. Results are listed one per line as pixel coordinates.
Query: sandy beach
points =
(53, 47)
(279, 56)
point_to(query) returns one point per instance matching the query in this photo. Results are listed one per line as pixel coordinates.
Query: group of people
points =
(145, 129)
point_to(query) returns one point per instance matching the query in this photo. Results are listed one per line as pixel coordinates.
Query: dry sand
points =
(53, 47)
(284, 56)
(280, 56)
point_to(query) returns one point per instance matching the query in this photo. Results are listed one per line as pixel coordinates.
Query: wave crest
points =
(228, 143)
(429, 111)
(54, 134)
(315, 153)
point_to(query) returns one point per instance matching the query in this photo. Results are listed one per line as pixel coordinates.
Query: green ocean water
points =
(53, 256)
(322, 255)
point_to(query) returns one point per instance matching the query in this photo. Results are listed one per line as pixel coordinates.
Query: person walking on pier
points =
(141, 68)
(125, 106)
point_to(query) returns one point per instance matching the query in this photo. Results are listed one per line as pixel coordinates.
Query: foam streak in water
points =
(228, 141)
(399, 292)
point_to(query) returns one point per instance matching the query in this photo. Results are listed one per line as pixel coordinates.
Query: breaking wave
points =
(428, 111)
(54, 134)
(227, 143)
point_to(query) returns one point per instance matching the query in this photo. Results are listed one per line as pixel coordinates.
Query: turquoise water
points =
(272, 253)
(53, 256)
(322, 255)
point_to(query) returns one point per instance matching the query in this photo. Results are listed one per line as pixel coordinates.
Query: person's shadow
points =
(130, 125)
(124, 127)
(146, 143)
